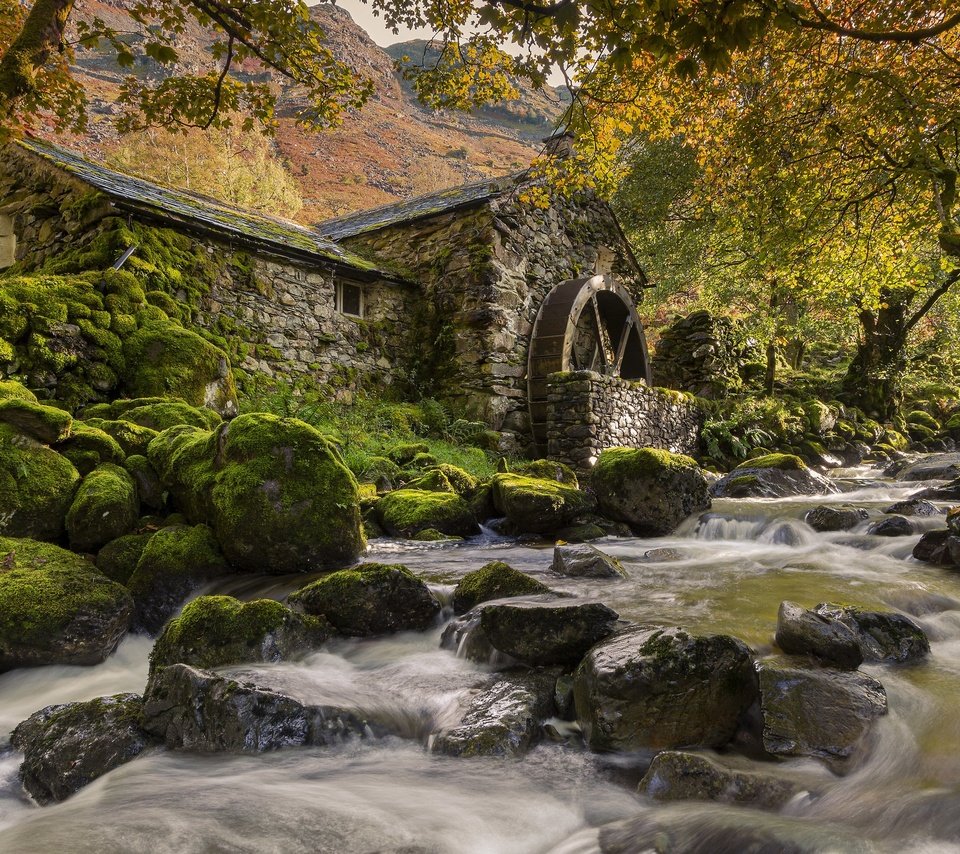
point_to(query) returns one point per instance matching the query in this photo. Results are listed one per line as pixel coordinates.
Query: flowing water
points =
(727, 572)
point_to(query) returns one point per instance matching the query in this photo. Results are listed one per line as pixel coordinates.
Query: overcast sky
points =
(379, 32)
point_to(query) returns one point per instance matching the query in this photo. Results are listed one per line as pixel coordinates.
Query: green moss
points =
(11, 389)
(89, 446)
(164, 359)
(37, 486)
(403, 454)
(637, 463)
(45, 591)
(922, 419)
(548, 470)
(406, 512)
(495, 580)
(785, 462)
(433, 481)
(462, 482)
(156, 413)
(130, 436)
(118, 559)
(213, 631)
(535, 505)
(46, 424)
(104, 508)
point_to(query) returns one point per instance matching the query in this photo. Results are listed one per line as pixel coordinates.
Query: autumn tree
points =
(226, 163)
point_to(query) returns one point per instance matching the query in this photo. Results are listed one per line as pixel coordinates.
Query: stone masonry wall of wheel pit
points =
(589, 412)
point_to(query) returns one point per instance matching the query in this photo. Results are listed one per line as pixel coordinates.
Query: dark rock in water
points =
(174, 563)
(823, 713)
(892, 526)
(948, 492)
(543, 634)
(679, 776)
(882, 636)
(772, 476)
(55, 608)
(198, 710)
(800, 632)
(370, 599)
(939, 547)
(826, 519)
(504, 719)
(676, 829)
(68, 746)
(495, 580)
(913, 507)
(662, 687)
(935, 467)
(465, 636)
(651, 490)
(585, 561)
(214, 631)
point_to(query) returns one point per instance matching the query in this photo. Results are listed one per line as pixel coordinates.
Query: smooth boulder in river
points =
(494, 580)
(70, 745)
(882, 635)
(582, 560)
(800, 632)
(772, 476)
(663, 687)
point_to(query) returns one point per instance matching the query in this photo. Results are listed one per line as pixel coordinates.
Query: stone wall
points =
(588, 412)
(485, 272)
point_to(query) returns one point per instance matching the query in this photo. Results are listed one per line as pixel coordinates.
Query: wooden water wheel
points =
(588, 324)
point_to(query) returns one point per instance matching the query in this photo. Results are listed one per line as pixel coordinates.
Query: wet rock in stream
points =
(826, 519)
(881, 635)
(585, 561)
(800, 631)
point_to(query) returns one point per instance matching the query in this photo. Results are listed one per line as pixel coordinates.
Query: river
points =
(727, 572)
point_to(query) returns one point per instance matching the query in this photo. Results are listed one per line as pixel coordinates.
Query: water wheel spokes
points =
(583, 324)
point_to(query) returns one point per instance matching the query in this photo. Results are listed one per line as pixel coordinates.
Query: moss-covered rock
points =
(495, 580)
(534, 505)
(371, 599)
(132, 438)
(651, 490)
(548, 470)
(273, 489)
(157, 413)
(407, 512)
(119, 558)
(55, 608)
(174, 563)
(431, 535)
(772, 476)
(68, 746)
(87, 447)
(37, 486)
(404, 453)
(166, 359)
(432, 481)
(12, 389)
(151, 491)
(104, 508)
(46, 424)
(213, 631)
(783, 462)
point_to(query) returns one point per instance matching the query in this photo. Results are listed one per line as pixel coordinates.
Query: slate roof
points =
(215, 218)
(442, 201)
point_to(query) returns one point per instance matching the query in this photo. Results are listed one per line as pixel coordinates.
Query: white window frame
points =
(340, 284)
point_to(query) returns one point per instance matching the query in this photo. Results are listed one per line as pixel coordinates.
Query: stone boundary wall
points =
(588, 412)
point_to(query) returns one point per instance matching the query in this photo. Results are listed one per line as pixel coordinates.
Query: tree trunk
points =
(770, 378)
(873, 379)
(41, 34)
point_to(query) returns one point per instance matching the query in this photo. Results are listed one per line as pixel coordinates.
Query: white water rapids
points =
(727, 572)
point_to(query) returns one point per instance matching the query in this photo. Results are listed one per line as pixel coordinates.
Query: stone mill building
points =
(519, 316)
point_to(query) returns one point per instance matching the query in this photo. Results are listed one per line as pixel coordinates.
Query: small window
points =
(349, 299)
(8, 243)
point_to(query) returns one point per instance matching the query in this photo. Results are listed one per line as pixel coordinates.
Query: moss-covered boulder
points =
(651, 490)
(12, 389)
(273, 489)
(534, 505)
(165, 359)
(151, 491)
(772, 476)
(119, 558)
(370, 599)
(37, 486)
(463, 483)
(156, 413)
(407, 512)
(175, 562)
(404, 453)
(495, 580)
(548, 470)
(104, 508)
(68, 746)
(131, 437)
(650, 687)
(433, 480)
(89, 446)
(55, 608)
(214, 631)
(46, 424)
(385, 473)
